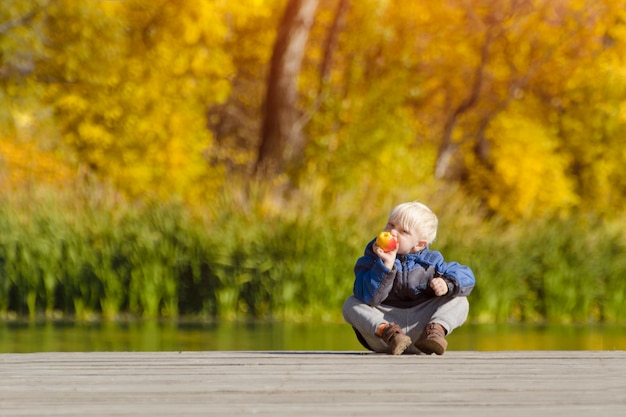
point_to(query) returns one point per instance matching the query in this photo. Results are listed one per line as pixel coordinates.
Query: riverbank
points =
(198, 335)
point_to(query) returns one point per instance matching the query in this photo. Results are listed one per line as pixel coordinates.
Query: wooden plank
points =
(236, 383)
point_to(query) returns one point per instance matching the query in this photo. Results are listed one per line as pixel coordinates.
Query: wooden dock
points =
(265, 383)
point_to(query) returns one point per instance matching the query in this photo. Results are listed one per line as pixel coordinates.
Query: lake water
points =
(22, 337)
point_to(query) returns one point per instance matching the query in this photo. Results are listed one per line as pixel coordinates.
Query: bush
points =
(92, 254)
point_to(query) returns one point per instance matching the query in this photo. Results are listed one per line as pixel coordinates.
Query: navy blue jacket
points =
(406, 284)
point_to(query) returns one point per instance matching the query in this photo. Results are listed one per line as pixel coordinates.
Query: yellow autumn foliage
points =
(529, 176)
(25, 164)
(165, 97)
(135, 110)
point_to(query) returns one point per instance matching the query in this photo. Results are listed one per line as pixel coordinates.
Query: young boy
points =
(408, 299)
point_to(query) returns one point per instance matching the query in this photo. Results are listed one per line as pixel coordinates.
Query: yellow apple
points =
(386, 241)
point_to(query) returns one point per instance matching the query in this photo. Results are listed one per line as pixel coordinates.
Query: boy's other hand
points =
(439, 286)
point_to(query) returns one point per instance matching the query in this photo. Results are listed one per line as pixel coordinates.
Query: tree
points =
(236, 123)
(129, 84)
(282, 140)
(332, 41)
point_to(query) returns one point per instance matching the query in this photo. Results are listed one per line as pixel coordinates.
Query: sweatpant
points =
(450, 312)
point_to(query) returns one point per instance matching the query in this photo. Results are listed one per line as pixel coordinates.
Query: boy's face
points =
(408, 241)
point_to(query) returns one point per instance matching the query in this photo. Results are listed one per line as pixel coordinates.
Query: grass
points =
(91, 254)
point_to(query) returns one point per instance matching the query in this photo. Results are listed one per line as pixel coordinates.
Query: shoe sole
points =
(402, 346)
(430, 346)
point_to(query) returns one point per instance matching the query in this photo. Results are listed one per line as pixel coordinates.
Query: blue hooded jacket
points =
(407, 283)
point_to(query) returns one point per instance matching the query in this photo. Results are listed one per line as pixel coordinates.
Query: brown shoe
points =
(395, 338)
(432, 339)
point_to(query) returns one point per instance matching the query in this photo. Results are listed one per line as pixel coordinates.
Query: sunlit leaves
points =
(164, 97)
(131, 87)
(529, 177)
(23, 164)
(530, 90)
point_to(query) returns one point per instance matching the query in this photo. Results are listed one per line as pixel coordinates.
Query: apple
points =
(386, 241)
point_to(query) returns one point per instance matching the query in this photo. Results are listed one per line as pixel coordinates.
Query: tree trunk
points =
(332, 41)
(282, 140)
(449, 163)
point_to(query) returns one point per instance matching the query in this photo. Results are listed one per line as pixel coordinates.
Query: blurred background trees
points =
(521, 102)
(485, 109)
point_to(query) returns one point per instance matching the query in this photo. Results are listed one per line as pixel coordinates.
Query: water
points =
(21, 337)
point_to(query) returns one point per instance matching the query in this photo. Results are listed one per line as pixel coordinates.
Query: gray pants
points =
(450, 312)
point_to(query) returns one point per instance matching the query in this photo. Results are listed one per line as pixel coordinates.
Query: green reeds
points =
(103, 257)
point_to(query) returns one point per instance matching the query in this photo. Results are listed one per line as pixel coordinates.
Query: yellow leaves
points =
(112, 115)
(530, 174)
(73, 104)
(242, 12)
(204, 24)
(95, 134)
(185, 22)
(129, 85)
(191, 32)
(22, 163)
(179, 64)
(200, 61)
(111, 7)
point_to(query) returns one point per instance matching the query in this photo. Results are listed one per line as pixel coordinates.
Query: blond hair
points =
(416, 217)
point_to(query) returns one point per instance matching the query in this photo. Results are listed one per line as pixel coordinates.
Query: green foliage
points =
(107, 257)
(100, 256)
(554, 270)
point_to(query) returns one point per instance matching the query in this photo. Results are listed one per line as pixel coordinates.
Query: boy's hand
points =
(439, 286)
(388, 258)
